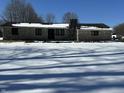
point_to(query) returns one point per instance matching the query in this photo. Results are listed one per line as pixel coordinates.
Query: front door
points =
(51, 34)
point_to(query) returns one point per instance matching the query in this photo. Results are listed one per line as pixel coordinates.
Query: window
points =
(94, 33)
(15, 31)
(60, 32)
(38, 32)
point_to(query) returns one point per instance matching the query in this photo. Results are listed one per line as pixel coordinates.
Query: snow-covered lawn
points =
(61, 67)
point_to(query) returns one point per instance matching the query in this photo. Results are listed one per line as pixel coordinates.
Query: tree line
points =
(23, 12)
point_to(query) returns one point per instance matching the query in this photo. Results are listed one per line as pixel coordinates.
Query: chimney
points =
(73, 23)
(72, 28)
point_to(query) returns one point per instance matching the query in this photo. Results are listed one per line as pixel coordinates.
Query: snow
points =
(61, 26)
(62, 67)
(94, 28)
(38, 25)
(1, 38)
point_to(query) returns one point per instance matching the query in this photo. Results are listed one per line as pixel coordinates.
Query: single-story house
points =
(54, 32)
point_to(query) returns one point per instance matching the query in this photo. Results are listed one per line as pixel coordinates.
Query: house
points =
(56, 32)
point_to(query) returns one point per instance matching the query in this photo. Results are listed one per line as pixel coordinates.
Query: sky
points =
(110, 12)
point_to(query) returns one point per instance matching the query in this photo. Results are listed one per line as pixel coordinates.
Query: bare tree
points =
(20, 11)
(31, 15)
(14, 11)
(119, 29)
(69, 15)
(50, 18)
(3, 19)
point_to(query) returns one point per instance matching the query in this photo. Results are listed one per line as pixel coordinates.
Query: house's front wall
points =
(29, 34)
(23, 34)
(62, 37)
(6, 33)
(86, 35)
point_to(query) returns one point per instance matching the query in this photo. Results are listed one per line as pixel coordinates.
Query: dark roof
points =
(99, 25)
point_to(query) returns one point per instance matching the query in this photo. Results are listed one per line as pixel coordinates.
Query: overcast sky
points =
(110, 12)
